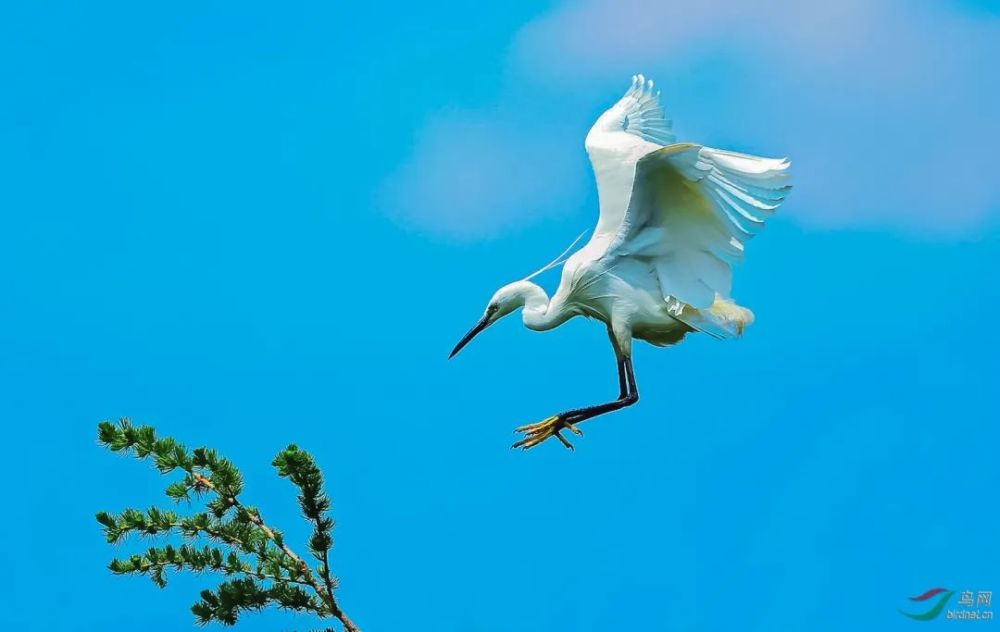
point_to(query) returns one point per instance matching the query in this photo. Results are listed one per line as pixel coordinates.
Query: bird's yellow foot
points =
(549, 427)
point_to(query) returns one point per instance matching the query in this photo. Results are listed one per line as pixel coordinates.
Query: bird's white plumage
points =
(673, 220)
(691, 210)
(683, 210)
(627, 131)
(644, 116)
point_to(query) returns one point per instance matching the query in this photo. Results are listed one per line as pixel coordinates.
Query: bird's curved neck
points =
(539, 312)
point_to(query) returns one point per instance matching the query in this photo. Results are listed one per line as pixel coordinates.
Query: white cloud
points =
(887, 111)
(473, 174)
(582, 39)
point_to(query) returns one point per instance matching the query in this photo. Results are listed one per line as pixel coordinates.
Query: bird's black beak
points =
(483, 323)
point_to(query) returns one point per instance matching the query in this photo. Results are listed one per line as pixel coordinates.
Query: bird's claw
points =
(536, 433)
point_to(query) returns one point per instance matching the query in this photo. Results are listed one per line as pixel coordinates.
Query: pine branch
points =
(298, 466)
(271, 573)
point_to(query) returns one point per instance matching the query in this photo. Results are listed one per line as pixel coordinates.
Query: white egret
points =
(673, 220)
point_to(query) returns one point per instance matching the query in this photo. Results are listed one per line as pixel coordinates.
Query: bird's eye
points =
(492, 308)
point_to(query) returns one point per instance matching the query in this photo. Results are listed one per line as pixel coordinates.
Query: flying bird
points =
(674, 218)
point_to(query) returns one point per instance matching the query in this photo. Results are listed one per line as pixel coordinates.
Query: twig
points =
(326, 594)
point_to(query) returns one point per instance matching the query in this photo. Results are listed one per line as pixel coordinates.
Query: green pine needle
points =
(225, 536)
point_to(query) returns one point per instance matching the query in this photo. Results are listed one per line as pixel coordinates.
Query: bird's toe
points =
(538, 432)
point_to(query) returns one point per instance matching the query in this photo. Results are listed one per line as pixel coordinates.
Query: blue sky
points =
(251, 228)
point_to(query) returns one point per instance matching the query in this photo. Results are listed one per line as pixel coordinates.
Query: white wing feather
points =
(690, 212)
(643, 115)
(683, 209)
(627, 131)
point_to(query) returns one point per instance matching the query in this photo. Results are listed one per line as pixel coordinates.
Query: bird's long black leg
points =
(628, 395)
(623, 385)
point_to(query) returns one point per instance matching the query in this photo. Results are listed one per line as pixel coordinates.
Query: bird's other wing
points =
(627, 131)
(691, 210)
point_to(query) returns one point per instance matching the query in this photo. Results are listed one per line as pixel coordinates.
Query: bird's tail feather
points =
(723, 319)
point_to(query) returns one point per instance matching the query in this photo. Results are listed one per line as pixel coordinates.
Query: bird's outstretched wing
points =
(633, 127)
(690, 211)
(684, 209)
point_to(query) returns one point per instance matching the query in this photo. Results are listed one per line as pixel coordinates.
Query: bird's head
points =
(504, 301)
(514, 295)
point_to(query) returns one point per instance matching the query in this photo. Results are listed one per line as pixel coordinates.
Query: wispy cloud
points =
(475, 173)
(887, 111)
